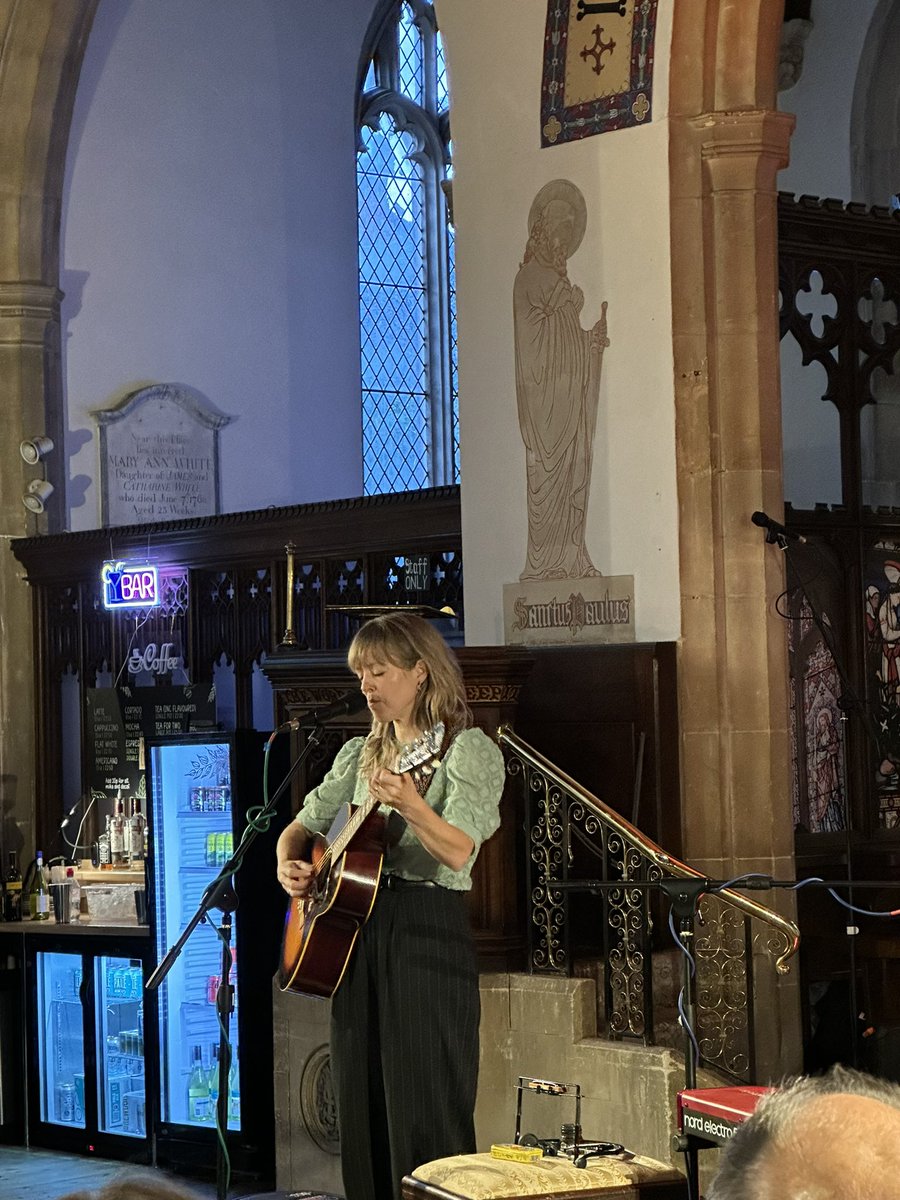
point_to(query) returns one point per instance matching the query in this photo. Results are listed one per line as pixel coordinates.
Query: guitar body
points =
(320, 930)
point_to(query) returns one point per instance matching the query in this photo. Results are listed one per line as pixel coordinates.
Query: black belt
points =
(398, 883)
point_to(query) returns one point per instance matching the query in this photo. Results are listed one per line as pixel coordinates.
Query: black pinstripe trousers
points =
(404, 1040)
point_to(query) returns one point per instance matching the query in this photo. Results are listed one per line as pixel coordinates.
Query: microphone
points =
(351, 702)
(775, 528)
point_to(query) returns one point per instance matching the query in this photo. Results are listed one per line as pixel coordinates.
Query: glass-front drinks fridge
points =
(88, 1078)
(200, 786)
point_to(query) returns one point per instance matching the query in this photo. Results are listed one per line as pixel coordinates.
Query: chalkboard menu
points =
(117, 719)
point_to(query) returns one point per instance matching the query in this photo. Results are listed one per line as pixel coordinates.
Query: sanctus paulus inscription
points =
(159, 456)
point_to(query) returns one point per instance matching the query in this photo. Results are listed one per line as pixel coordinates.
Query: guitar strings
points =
(421, 775)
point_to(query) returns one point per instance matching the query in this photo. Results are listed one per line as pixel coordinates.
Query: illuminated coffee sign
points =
(126, 585)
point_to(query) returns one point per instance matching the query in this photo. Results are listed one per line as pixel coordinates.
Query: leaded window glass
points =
(410, 427)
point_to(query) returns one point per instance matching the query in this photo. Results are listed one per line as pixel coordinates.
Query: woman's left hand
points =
(396, 791)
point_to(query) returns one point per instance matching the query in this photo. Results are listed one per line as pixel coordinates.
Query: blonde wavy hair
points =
(402, 640)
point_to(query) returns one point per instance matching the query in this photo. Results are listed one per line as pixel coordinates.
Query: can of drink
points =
(212, 988)
(210, 849)
(195, 799)
(65, 1102)
(79, 1096)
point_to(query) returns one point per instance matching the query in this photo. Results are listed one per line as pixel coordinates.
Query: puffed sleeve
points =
(321, 805)
(474, 782)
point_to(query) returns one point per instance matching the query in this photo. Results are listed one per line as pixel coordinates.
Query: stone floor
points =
(25, 1174)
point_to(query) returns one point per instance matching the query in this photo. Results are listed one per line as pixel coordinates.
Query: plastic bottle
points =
(198, 1088)
(39, 891)
(74, 894)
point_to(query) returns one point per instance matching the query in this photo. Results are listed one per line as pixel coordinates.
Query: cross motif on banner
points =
(598, 49)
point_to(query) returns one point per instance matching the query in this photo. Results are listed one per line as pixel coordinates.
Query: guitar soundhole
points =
(321, 887)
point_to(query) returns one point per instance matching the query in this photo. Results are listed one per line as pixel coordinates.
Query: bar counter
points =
(85, 928)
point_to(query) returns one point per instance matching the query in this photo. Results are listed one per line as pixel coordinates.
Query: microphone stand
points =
(221, 895)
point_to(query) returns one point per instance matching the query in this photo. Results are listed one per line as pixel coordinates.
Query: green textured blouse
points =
(465, 790)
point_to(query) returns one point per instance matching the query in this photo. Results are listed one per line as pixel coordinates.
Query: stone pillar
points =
(29, 328)
(733, 673)
(42, 47)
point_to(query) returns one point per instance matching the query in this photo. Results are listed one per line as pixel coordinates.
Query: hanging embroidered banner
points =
(598, 68)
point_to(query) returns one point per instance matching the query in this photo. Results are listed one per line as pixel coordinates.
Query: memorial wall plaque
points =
(159, 456)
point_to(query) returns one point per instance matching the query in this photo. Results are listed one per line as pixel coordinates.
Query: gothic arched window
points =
(406, 275)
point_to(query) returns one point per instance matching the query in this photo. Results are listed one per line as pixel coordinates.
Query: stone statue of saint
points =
(558, 367)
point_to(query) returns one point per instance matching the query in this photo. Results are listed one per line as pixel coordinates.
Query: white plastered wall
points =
(209, 237)
(495, 61)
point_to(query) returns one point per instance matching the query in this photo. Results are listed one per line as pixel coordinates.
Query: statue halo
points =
(565, 191)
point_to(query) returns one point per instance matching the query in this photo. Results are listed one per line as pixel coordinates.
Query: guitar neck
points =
(425, 761)
(350, 830)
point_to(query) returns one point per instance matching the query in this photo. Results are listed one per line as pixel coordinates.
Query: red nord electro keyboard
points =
(713, 1114)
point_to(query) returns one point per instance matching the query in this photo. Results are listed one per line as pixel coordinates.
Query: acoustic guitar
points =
(321, 928)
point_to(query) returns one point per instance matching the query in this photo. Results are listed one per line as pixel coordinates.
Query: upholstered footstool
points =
(482, 1177)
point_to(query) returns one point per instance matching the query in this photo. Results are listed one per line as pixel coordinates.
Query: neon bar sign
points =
(128, 586)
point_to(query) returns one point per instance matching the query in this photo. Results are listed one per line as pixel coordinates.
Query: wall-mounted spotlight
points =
(34, 449)
(37, 494)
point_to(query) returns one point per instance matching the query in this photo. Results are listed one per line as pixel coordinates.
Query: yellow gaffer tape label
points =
(516, 1153)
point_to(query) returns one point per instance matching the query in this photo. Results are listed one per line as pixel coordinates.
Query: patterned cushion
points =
(482, 1177)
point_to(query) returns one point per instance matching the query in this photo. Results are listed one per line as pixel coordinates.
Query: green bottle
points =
(40, 893)
(213, 1080)
(234, 1089)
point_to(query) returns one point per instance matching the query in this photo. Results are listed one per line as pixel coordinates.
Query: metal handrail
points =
(653, 852)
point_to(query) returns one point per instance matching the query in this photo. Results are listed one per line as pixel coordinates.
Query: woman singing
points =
(404, 1032)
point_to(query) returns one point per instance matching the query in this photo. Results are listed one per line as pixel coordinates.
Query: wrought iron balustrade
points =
(576, 843)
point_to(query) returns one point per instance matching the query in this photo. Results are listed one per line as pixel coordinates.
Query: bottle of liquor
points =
(39, 891)
(117, 846)
(104, 849)
(13, 898)
(198, 1088)
(137, 823)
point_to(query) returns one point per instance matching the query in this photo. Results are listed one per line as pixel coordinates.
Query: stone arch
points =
(42, 48)
(875, 116)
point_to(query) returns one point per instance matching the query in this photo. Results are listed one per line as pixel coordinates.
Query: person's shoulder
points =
(474, 741)
(472, 735)
(349, 752)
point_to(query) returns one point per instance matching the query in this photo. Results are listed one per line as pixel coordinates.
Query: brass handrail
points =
(653, 852)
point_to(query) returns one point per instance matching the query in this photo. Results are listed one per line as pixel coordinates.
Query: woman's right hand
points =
(295, 876)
